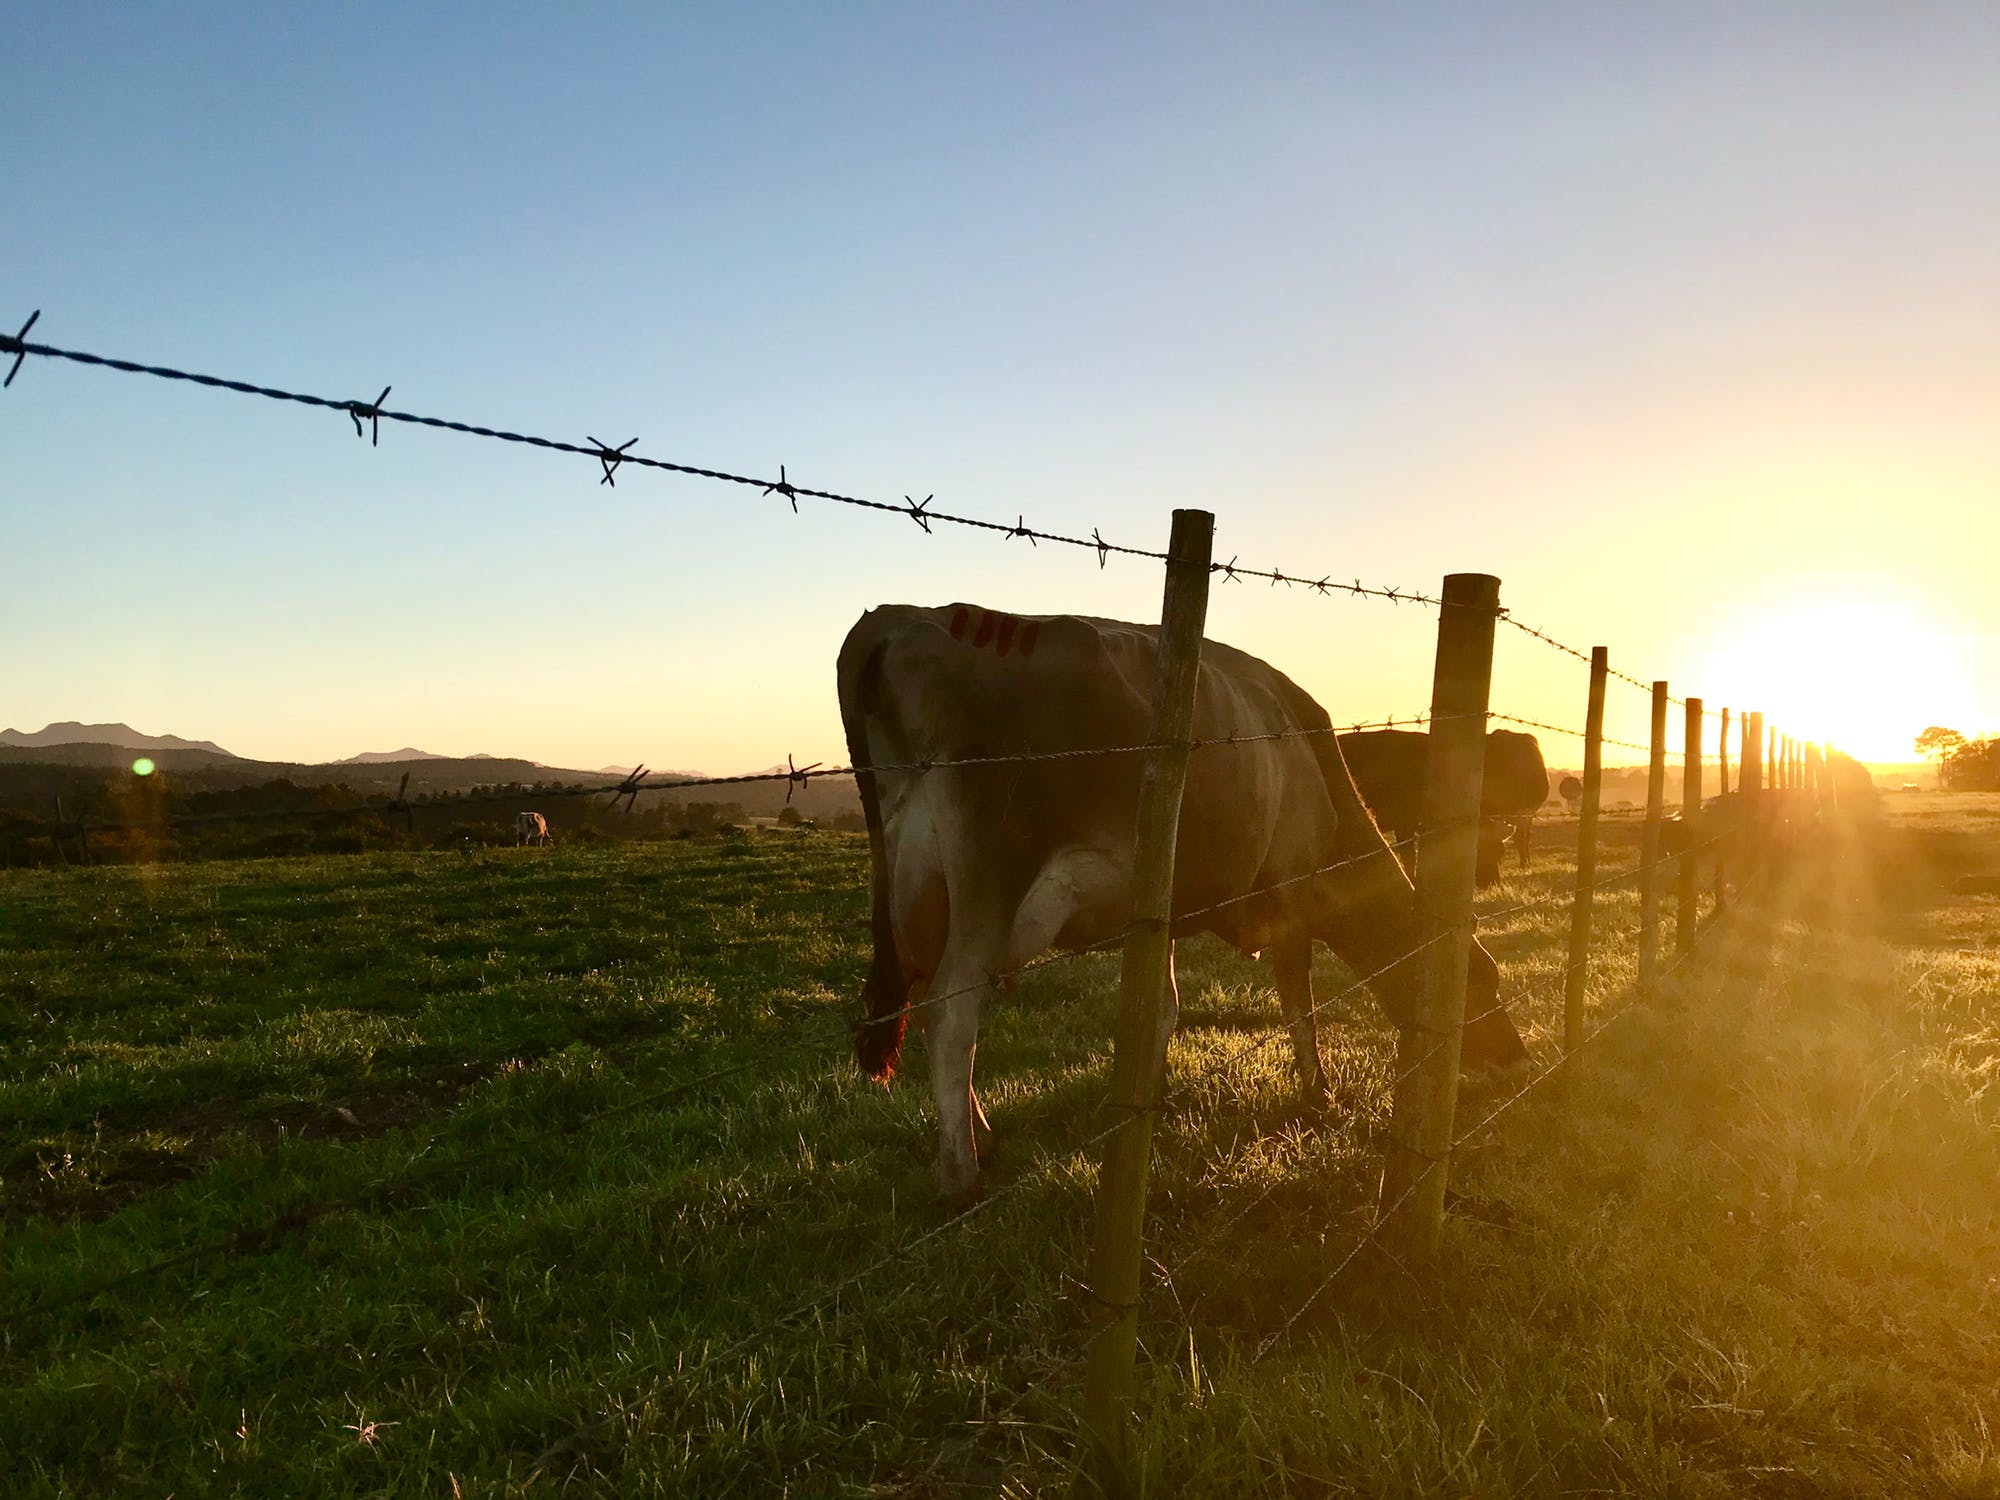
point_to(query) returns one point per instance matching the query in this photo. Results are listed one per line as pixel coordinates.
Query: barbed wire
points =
(610, 460)
(1386, 1216)
(252, 1238)
(1581, 655)
(794, 776)
(1603, 739)
(1501, 1004)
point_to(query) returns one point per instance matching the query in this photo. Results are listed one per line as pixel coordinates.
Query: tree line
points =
(1964, 765)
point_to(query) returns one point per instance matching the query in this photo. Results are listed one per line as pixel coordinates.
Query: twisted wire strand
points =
(1387, 1215)
(794, 776)
(611, 459)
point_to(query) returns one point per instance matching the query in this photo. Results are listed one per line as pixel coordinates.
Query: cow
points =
(1571, 791)
(977, 869)
(530, 828)
(1390, 769)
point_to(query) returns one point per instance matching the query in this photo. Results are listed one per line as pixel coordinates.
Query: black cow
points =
(1391, 767)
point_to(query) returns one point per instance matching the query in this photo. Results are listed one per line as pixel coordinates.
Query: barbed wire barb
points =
(797, 776)
(372, 410)
(18, 347)
(611, 458)
(784, 486)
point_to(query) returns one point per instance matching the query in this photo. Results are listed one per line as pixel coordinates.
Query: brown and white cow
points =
(977, 870)
(530, 828)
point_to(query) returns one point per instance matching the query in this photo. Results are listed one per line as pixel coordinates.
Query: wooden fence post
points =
(1576, 978)
(1750, 825)
(1649, 845)
(1722, 854)
(1427, 1058)
(1146, 1010)
(1691, 829)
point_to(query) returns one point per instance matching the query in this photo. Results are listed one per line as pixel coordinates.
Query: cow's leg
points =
(1524, 834)
(951, 1037)
(1292, 959)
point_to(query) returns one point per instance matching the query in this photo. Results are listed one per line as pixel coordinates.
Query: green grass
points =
(551, 1162)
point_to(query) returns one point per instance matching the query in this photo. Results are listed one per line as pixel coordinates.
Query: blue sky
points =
(1681, 319)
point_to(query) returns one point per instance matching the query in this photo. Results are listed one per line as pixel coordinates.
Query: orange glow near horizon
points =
(1865, 676)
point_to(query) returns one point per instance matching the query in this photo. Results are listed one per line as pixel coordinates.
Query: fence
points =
(1778, 778)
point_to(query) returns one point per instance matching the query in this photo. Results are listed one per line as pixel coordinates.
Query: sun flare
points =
(1865, 676)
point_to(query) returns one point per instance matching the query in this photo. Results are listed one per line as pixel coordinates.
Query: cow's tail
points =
(878, 1034)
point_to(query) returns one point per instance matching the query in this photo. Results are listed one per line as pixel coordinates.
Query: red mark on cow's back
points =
(1002, 632)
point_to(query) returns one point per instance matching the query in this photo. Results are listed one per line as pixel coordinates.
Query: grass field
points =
(543, 1169)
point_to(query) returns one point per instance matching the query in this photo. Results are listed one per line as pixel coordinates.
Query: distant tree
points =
(790, 815)
(1941, 745)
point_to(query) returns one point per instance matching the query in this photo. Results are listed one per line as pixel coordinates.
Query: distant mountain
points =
(378, 757)
(654, 773)
(387, 757)
(122, 735)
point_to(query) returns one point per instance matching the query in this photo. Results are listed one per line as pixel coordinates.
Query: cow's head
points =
(1516, 778)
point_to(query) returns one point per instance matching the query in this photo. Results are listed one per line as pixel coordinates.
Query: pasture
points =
(532, 1170)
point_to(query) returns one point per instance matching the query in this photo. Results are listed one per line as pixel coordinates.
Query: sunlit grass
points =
(1748, 1248)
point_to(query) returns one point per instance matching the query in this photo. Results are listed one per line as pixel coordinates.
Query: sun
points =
(1863, 675)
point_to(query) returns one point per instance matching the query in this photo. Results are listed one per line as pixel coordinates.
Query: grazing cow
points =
(977, 870)
(530, 828)
(1571, 791)
(1391, 767)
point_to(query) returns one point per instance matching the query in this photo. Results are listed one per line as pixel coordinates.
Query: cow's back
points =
(961, 683)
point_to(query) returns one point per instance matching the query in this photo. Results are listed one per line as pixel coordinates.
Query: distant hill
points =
(124, 736)
(84, 764)
(377, 757)
(654, 773)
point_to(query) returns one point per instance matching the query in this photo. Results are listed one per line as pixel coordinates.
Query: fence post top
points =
(1479, 591)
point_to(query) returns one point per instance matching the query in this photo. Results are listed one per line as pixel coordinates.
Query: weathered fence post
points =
(1576, 978)
(1691, 829)
(1427, 1058)
(1649, 844)
(1721, 853)
(1146, 1010)
(1750, 824)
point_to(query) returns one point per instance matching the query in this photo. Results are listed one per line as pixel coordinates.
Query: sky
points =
(1679, 319)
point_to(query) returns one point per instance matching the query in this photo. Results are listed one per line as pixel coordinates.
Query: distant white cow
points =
(530, 828)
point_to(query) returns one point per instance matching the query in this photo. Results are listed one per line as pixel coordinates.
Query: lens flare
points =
(142, 767)
(1865, 674)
